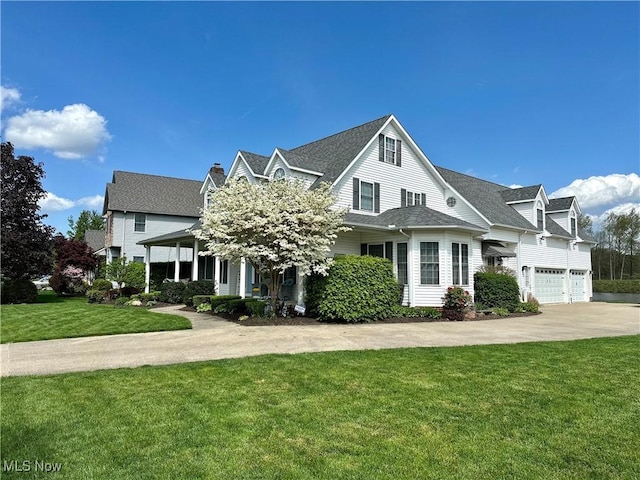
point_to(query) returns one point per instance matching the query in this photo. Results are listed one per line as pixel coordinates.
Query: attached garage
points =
(579, 286)
(550, 285)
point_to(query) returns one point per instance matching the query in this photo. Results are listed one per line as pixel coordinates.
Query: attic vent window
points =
(278, 174)
(451, 202)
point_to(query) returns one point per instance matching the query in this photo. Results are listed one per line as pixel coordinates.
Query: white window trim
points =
(135, 223)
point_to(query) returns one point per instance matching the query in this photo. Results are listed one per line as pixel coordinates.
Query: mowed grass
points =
(557, 410)
(56, 317)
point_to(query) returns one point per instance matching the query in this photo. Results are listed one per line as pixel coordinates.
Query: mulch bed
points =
(260, 322)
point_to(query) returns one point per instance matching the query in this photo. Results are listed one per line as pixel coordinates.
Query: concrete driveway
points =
(213, 338)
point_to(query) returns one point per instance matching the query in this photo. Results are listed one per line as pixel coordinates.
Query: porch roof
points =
(413, 217)
(496, 249)
(170, 239)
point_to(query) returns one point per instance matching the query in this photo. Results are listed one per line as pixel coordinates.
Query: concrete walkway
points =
(213, 338)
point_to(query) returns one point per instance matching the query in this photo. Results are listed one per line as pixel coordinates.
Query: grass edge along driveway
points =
(562, 410)
(56, 317)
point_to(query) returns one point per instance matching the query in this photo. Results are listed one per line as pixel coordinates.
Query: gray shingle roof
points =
(95, 239)
(412, 216)
(139, 192)
(520, 194)
(560, 204)
(218, 178)
(554, 229)
(257, 163)
(487, 198)
(331, 155)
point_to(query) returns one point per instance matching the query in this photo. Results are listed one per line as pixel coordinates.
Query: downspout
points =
(523, 288)
(410, 279)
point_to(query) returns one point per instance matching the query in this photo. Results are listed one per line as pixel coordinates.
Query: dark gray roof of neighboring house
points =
(554, 229)
(95, 239)
(257, 163)
(143, 193)
(487, 198)
(332, 155)
(520, 194)
(413, 216)
(560, 204)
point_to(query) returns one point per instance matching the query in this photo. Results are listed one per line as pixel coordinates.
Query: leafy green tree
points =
(87, 220)
(25, 242)
(273, 225)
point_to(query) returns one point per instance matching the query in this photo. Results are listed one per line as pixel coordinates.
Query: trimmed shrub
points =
(256, 308)
(18, 291)
(121, 302)
(616, 286)
(239, 305)
(172, 292)
(495, 290)
(199, 287)
(200, 299)
(101, 284)
(217, 300)
(357, 289)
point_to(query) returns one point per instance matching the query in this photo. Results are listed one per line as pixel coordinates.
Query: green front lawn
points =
(56, 317)
(557, 410)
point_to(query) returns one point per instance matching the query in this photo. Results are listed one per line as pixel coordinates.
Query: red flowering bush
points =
(457, 299)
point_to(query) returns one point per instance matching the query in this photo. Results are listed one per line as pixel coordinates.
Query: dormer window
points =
(390, 150)
(574, 225)
(279, 173)
(539, 216)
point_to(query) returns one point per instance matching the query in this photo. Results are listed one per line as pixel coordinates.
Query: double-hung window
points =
(539, 216)
(408, 199)
(574, 229)
(140, 223)
(390, 150)
(460, 263)
(403, 272)
(429, 263)
(366, 196)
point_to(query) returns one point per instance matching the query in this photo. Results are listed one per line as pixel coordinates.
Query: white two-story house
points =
(435, 225)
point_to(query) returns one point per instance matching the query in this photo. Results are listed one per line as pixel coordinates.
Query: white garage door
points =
(578, 286)
(549, 285)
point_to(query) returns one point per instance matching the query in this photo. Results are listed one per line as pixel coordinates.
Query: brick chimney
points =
(217, 168)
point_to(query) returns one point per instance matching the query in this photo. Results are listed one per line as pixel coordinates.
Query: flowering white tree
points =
(273, 225)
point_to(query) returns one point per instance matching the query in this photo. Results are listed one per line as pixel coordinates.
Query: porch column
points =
(176, 273)
(300, 289)
(194, 267)
(243, 275)
(411, 294)
(216, 274)
(147, 268)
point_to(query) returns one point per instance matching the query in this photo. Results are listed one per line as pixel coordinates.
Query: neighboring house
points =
(95, 240)
(139, 206)
(435, 225)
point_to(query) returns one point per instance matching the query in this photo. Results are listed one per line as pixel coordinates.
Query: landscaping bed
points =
(301, 320)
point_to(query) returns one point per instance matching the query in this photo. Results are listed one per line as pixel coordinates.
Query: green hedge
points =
(18, 291)
(616, 286)
(495, 290)
(357, 289)
(101, 284)
(199, 287)
(172, 292)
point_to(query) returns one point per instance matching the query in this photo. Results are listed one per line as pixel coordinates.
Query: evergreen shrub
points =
(357, 289)
(496, 290)
(18, 291)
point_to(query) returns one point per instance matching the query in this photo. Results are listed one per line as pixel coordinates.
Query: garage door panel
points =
(578, 286)
(550, 285)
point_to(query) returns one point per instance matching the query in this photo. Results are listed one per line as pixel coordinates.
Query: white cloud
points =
(74, 132)
(8, 96)
(515, 185)
(53, 203)
(602, 191)
(94, 202)
(618, 210)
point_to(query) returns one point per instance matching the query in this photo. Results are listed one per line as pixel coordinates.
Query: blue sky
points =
(515, 93)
